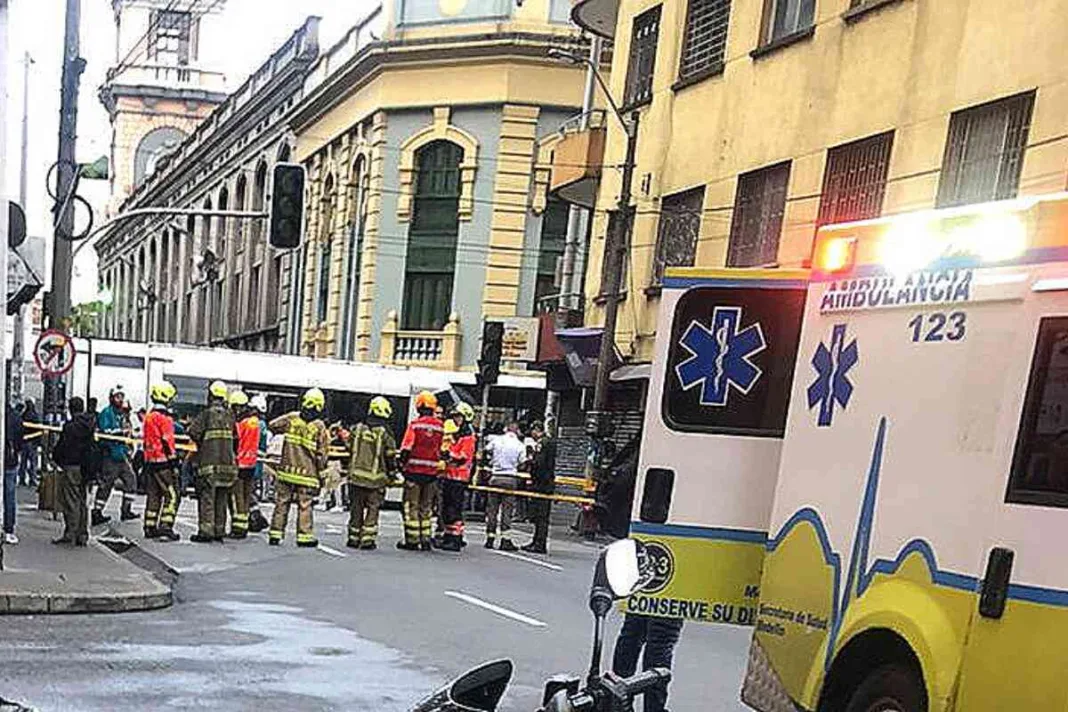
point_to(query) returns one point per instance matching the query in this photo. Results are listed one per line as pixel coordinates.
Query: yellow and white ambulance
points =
(716, 408)
(917, 553)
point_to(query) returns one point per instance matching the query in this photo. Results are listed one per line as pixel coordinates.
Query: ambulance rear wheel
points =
(889, 688)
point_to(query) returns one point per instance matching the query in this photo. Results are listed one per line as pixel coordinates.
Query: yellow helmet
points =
(426, 399)
(314, 399)
(451, 428)
(465, 410)
(217, 389)
(238, 398)
(380, 407)
(162, 392)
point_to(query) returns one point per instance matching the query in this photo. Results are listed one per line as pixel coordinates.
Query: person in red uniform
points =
(420, 453)
(248, 445)
(161, 465)
(458, 463)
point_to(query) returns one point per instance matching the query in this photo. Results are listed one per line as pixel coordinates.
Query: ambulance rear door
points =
(718, 397)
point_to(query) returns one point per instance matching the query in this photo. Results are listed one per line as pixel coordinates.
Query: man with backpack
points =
(74, 453)
(372, 458)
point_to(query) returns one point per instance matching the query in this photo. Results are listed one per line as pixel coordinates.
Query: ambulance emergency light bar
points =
(980, 234)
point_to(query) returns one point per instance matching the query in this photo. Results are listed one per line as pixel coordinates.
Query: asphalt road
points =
(280, 628)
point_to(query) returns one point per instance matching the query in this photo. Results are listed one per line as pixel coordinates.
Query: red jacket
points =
(461, 459)
(158, 432)
(248, 442)
(422, 443)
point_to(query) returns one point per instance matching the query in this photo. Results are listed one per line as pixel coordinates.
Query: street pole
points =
(615, 252)
(19, 335)
(66, 176)
(3, 217)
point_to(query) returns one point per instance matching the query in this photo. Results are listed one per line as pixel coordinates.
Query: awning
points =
(632, 372)
(582, 346)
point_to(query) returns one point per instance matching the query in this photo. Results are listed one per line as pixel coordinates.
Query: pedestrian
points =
(371, 463)
(160, 465)
(114, 421)
(73, 452)
(658, 636)
(248, 447)
(13, 434)
(543, 476)
(304, 458)
(459, 460)
(256, 521)
(420, 453)
(28, 462)
(507, 453)
(214, 433)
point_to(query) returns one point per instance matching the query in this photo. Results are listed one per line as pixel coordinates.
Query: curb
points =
(161, 596)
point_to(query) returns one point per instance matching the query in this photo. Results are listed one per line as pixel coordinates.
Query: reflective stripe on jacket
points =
(422, 442)
(158, 430)
(371, 453)
(461, 459)
(213, 431)
(304, 449)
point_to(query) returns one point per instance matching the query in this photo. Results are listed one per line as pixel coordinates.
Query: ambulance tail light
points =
(837, 254)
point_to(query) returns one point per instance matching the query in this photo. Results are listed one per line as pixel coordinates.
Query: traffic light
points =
(286, 220)
(489, 363)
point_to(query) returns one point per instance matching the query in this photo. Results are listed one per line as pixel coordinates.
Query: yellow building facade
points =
(761, 119)
(420, 132)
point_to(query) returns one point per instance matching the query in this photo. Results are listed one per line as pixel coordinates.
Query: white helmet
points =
(259, 402)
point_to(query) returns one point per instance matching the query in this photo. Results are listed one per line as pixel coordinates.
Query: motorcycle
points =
(622, 569)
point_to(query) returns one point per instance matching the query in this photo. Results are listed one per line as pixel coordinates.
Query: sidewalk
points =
(41, 577)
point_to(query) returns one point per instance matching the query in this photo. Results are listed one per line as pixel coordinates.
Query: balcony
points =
(597, 16)
(577, 158)
(429, 348)
(171, 76)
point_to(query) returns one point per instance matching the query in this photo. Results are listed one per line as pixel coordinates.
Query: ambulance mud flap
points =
(762, 690)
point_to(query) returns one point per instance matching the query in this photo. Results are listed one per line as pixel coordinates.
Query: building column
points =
(368, 258)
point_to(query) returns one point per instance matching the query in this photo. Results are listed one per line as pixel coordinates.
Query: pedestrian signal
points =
(286, 219)
(489, 363)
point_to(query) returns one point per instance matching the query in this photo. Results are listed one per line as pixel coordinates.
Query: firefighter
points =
(256, 521)
(372, 460)
(214, 432)
(304, 458)
(458, 463)
(421, 456)
(161, 465)
(248, 446)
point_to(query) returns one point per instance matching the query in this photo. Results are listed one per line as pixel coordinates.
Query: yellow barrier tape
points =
(534, 495)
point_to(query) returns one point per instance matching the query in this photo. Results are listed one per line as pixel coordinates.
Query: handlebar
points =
(645, 680)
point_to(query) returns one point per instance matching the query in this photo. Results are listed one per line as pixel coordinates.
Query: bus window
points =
(1040, 463)
(731, 359)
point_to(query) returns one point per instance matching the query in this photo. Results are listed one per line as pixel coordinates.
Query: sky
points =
(36, 27)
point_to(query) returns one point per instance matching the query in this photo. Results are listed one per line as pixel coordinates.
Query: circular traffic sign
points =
(54, 352)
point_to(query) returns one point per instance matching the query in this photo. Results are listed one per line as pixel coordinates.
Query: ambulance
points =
(716, 409)
(916, 556)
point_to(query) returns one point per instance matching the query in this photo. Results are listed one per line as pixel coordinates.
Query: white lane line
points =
(529, 560)
(499, 610)
(329, 550)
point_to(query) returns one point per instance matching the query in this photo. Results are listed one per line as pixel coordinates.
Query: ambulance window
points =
(730, 363)
(1040, 463)
(656, 496)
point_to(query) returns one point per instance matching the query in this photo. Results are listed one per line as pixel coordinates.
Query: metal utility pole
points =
(19, 331)
(67, 169)
(3, 218)
(615, 245)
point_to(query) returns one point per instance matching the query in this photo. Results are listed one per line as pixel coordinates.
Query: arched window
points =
(151, 298)
(259, 191)
(326, 222)
(284, 153)
(431, 260)
(153, 146)
(222, 236)
(353, 252)
(163, 290)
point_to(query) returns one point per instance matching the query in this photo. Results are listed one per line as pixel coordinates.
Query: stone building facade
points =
(423, 213)
(211, 280)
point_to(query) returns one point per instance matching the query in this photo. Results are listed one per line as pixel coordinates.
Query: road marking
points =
(330, 550)
(529, 560)
(499, 610)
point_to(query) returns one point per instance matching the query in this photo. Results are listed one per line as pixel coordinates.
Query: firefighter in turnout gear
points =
(459, 459)
(371, 463)
(248, 446)
(304, 457)
(215, 435)
(161, 465)
(421, 456)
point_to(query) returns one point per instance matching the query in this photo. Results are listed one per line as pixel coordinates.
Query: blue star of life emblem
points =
(721, 356)
(832, 384)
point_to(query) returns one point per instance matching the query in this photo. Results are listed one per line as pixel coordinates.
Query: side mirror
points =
(477, 690)
(622, 569)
